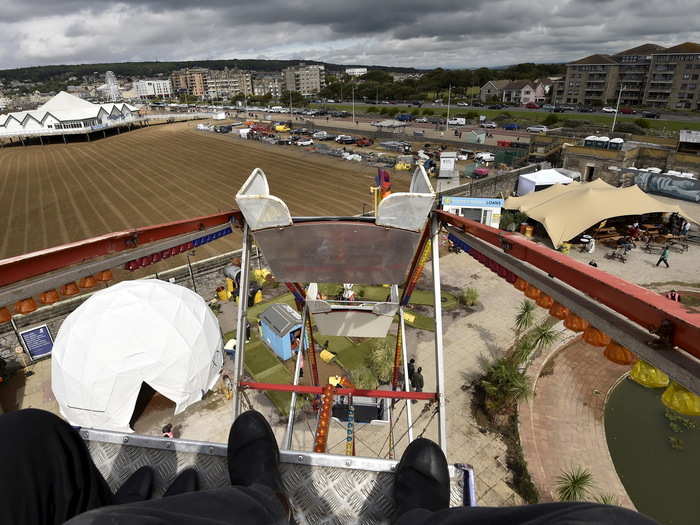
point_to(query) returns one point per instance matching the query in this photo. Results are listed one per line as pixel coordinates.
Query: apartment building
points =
(648, 75)
(190, 81)
(307, 80)
(267, 85)
(493, 90)
(228, 83)
(674, 78)
(152, 88)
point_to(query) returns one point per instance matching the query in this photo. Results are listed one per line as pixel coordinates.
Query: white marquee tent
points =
(134, 332)
(542, 179)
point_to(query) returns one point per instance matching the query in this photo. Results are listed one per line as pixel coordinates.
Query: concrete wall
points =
(208, 275)
(500, 186)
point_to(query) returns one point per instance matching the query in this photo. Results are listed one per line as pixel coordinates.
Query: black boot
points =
(253, 455)
(137, 488)
(186, 481)
(422, 479)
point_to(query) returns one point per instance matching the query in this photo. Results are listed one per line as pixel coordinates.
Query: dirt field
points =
(58, 193)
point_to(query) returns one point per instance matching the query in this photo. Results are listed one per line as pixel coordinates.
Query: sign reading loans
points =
(37, 341)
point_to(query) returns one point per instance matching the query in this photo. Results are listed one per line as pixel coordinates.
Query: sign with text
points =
(37, 341)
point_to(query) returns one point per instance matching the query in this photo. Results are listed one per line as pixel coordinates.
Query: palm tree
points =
(524, 318)
(544, 336)
(606, 499)
(505, 385)
(380, 360)
(574, 484)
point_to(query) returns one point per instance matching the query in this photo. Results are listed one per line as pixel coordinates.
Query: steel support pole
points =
(407, 382)
(297, 372)
(439, 357)
(239, 356)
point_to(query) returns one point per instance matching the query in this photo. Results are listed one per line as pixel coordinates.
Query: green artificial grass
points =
(421, 321)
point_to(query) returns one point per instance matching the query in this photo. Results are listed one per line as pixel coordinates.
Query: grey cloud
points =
(448, 33)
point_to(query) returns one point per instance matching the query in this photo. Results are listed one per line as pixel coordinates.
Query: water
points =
(662, 482)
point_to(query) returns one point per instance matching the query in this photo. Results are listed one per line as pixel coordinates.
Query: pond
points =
(656, 458)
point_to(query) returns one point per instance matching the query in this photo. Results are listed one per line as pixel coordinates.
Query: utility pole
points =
(617, 109)
(353, 104)
(449, 95)
(376, 100)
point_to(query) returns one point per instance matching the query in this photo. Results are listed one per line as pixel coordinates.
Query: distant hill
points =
(148, 69)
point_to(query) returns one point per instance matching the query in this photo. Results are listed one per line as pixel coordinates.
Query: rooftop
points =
(595, 60)
(684, 48)
(643, 50)
(690, 136)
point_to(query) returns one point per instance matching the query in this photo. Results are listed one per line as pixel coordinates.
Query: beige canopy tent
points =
(568, 210)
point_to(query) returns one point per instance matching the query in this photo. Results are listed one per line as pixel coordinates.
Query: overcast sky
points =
(413, 33)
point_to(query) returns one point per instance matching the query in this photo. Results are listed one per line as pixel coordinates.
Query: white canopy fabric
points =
(567, 211)
(134, 332)
(528, 182)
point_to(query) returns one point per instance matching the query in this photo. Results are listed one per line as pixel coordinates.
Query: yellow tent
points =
(567, 211)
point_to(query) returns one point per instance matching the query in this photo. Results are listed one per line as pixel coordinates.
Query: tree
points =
(543, 336)
(550, 120)
(574, 484)
(378, 76)
(524, 318)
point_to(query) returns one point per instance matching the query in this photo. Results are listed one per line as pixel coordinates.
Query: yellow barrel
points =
(528, 231)
(229, 284)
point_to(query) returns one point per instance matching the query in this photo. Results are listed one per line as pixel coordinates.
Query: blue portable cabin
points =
(280, 325)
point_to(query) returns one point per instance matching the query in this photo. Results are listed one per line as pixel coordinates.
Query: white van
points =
(458, 121)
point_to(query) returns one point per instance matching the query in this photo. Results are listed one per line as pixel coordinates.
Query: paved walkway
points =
(562, 425)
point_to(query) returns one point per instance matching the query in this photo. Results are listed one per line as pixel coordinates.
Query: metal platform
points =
(323, 488)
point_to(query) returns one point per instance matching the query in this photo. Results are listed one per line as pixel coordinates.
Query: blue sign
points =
(37, 341)
(472, 202)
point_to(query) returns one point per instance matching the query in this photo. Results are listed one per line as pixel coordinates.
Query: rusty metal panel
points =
(338, 252)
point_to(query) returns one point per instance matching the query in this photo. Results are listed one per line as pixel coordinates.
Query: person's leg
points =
(666, 262)
(48, 475)
(256, 497)
(422, 495)
(659, 261)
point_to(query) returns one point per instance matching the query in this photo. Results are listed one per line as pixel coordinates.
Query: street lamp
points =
(449, 96)
(353, 103)
(617, 108)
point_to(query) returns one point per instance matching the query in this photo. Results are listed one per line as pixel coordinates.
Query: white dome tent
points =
(134, 332)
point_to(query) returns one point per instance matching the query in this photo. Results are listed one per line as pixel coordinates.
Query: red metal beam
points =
(32, 264)
(638, 304)
(301, 389)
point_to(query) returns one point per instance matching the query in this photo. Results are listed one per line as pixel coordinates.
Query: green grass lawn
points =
(421, 321)
(531, 117)
(379, 293)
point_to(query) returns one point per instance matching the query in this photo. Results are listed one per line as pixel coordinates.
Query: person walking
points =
(674, 296)
(664, 257)
(411, 370)
(417, 381)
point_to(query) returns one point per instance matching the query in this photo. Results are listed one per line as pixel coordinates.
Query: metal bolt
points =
(85, 435)
(211, 450)
(300, 459)
(125, 439)
(348, 462)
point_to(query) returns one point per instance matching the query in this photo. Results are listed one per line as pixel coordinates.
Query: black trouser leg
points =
(546, 513)
(253, 505)
(47, 473)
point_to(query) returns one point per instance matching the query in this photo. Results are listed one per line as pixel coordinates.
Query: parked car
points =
(585, 109)
(320, 135)
(462, 103)
(497, 106)
(511, 127)
(404, 117)
(488, 125)
(364, 142)
(340, 114)
(457, 121)
(548, 107)
(608, 109)
(627, 111)
(485, 156)
(532, 105)
(305, 142)
(421, 119)
(650, 114)
(345, 139)
(284, 142)
(477, 104)
(537, 129)
(560, 109)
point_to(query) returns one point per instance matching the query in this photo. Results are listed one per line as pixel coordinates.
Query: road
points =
(455, 108)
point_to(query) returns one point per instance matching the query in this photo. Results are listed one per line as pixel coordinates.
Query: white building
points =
(307, 80)
(356, 71)
(112, 86)
(65, 113)
(153, 88)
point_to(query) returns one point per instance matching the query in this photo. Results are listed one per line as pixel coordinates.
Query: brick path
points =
(561, 425)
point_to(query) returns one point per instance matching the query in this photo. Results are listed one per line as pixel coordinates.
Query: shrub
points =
(511, 217)
(363, 378)
(574, 484)
(573, 123)
(469, 297)
(383, 110)
(428, 112)
(380, 360)
(550, 120)
(372, 109)
(629, 127)
(642, 123)
(415, 112)
(392, 111)
(504, 385)
(525, 317)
